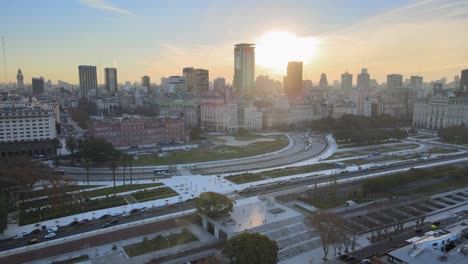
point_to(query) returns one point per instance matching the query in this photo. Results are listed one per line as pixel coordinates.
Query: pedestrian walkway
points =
(129, 199)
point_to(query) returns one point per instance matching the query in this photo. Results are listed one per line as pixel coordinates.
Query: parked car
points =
(52, 229)
(74, 223)
(125, 214)
(115, 214)
(115, 221)
(144, 209)
(104, 216)
(50, 235)
(134, 211)
(105, 225)
(84, 221)
(18, 236)
(35, 231)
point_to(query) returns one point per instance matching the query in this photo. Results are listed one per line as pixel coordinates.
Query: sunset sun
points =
(275, 49)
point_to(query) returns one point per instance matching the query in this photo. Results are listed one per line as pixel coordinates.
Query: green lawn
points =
(119, 189)
(423, 136)
(70, 209)
(155, 194)
(251, 177)
(160, 242)
(393, 148)
(303, 209)
(356, 145)
(210, 154)
(68, 188)
(439, 150)
(345, 154)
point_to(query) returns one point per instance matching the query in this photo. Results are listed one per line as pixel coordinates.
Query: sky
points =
(158, 38)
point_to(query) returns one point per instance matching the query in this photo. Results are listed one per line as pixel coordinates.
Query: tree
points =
(251, 248)
(3, 210)
(214, 205)
(195, 133)
(330, 227)
(98, 150)
(71, 145)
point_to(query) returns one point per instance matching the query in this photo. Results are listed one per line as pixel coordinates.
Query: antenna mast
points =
(4, 59)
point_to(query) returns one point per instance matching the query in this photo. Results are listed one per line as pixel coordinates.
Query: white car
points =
(115, 214)
(52, 229)
(50, 235)
(126, 214)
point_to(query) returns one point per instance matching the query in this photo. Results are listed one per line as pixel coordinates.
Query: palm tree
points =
(113, 165)
(131, 174)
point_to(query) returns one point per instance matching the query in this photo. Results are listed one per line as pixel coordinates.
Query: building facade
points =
(145, 82)
(394, 81)
(111, 80)
(346, 82)
(38, 86)
(20, 79)
(464, 80)
(139, 131)
(202, 82)
(88, 80)
(363, 80)
(293, 80)
(439, 111)
(244, 68)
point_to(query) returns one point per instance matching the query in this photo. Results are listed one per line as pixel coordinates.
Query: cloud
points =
(104, 5)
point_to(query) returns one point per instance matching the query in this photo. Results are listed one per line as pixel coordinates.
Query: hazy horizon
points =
(159, 38)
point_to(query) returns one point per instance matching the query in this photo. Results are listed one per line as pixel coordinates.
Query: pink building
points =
(139, 131)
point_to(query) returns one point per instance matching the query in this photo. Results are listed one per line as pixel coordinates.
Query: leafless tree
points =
(329, 226)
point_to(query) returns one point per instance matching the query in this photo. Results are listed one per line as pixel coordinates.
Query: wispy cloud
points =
(104, 5)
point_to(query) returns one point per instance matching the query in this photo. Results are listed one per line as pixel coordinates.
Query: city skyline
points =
(384, 37)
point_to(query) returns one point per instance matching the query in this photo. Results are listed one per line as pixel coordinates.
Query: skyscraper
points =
(189, 75)
(363, 79)
(323, 83)
(202, 82)
(219, 85)
(111, 79)
(416, 82)
(293, 80)
(20, 79)
(394, 81)
(244, 68)
(346, 81)
(464, 80)
(88, 79)
(145, 81)
(38, 86)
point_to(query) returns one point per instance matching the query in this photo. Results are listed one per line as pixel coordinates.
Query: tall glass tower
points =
(244, 68)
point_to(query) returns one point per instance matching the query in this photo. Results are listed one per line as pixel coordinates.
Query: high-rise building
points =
(202, 82)
(416, 82)
(145, 81)
(219, 85)
(244, 68)
(464, 80)
(20, 78)
(346, 81)
(111, 79)
(363, 80)
(38, 86)
(263, 83)
(177, 84)
(88, 79)
(189, 75)
(323, 83)
(293, 80)
(394, 81)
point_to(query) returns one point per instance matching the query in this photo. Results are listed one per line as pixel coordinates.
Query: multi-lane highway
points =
(292, 186)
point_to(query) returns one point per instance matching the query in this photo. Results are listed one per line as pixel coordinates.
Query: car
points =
(84, 221)
(52, 229)
(115, 221)
(35, 231)
(134, 211)
(125, 214)
(50, 235)
(169, 205)
(25, 233)
(33, 241)
(105, 225)
(18, 236)
(144, 209)
(366, 261)
(115, 214)
(74, 223)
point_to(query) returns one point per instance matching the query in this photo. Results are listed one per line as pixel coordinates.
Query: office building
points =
(394, 81)
(189, 75)
(346, 81)
(177, 85)
(363, 80)
(20, 78)
(416, 82)
(111, 80)
(145, 82)
(263, 83)
(219, 85)
(293, 80)
(202, 82)
(323, 83)
(38, 86)
(88, 80)
(244, 68)
(464, 80)
(440, 111)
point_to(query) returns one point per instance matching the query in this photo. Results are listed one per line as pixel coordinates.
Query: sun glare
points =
(275, 49)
